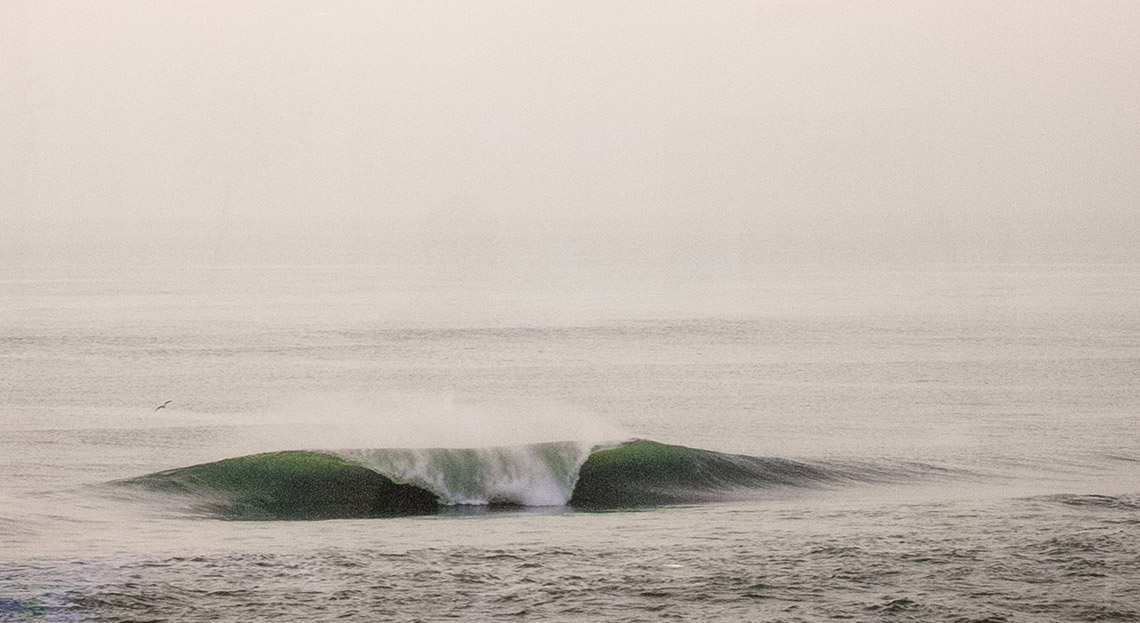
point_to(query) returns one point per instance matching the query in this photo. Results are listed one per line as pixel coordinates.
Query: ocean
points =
(950, 443)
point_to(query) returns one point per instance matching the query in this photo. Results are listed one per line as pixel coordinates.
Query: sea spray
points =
(530, 475)
(352, 420)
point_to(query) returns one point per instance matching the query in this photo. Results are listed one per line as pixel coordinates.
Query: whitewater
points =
(944, 443)
(393, 482)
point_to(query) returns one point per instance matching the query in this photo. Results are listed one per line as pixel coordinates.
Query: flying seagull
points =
(163, 405)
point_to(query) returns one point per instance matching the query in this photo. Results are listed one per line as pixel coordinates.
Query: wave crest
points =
(390, 482)
(531, 475)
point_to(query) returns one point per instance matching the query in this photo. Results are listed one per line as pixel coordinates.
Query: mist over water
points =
(781, 310)
(924, 431)
(568, 142)
(340, 421)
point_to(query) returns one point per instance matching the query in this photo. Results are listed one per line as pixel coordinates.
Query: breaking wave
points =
(394, 482)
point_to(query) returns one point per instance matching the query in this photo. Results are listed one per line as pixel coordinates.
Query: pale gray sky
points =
(654, 134)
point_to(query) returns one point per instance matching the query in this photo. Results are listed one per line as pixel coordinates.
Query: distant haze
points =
(701, 138)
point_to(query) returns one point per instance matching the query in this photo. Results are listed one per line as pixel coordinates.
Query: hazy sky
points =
(722, 133)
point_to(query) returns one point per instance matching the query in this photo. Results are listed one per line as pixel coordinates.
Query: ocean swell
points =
(394, 482)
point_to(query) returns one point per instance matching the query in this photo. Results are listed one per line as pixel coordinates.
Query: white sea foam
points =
(532, 475)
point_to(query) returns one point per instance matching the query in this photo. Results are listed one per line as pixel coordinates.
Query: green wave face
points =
(386, 483)
(290, 485)
(646, 473)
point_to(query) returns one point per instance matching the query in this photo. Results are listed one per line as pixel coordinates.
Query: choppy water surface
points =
(950, 444)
